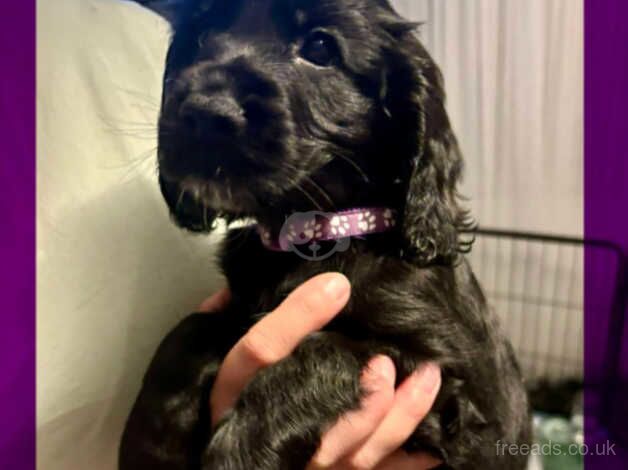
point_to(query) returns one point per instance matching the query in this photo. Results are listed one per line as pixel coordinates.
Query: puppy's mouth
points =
(236, 191)
(220, 193)
(235, 176)
(214, 173)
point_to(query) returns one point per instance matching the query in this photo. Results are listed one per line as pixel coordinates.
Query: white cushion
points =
(114, 274)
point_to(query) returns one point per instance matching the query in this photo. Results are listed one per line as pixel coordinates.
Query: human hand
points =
(369, 438)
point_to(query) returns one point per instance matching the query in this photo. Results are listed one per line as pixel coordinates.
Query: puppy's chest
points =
(381, 286)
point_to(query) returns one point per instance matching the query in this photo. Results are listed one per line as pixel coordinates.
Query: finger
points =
(216, 302)
(401, 460)
(306, 310)
(355, 427)
(413, 400)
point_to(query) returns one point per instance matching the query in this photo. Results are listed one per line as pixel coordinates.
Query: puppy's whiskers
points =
(295, 182)
(354, 165)
(148, 99)
(323, 193)
(241, 236)
(179, 200)
(308, 196)
(229, 191)
(205, 218)
(135, 129)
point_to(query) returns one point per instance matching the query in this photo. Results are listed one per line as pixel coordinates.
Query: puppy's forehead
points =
(305, 10)
(284, 13)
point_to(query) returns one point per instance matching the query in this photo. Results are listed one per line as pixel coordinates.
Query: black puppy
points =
(277, 107)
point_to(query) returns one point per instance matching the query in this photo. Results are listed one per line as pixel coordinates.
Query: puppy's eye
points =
(320, 49)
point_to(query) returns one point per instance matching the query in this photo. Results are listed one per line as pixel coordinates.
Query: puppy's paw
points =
(169, 423)
(280, 417)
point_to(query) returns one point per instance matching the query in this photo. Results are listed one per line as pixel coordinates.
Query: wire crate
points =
(535, 284)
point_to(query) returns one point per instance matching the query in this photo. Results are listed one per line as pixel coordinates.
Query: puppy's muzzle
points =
(205, 117)
(220, 118)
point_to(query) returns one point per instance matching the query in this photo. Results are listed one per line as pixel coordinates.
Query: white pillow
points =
(114, 274)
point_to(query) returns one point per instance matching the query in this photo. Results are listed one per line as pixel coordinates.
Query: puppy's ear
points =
(395, 25)
(432, 218)
(168, 9)
(187, 212)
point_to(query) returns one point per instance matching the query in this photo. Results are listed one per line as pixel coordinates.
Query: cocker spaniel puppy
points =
(324, 121)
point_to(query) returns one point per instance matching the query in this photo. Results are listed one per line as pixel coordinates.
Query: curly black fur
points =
(253, 126)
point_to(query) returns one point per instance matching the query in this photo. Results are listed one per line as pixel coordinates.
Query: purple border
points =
(606, 209)
(606, 189)
(17, 237)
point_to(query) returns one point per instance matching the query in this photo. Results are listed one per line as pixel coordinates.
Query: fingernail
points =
(381, 368)
(338, 288)
(428, 377)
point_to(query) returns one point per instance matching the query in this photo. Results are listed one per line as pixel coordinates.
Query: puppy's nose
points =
(211, 116)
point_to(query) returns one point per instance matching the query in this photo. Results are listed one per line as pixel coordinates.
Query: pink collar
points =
(310, 227)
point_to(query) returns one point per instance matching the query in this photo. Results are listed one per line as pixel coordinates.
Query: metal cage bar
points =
(535, 282)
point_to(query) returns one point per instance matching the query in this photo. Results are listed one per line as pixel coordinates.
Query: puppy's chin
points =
(223, 195)
(208, 183)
